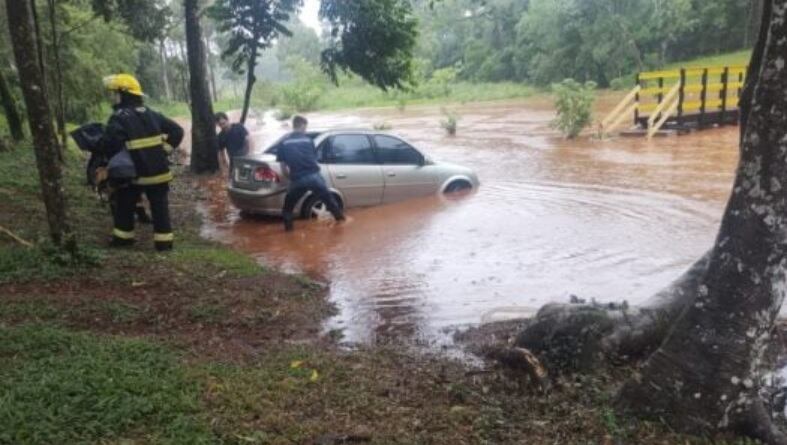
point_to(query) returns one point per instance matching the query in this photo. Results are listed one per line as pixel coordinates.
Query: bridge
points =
(678, 101)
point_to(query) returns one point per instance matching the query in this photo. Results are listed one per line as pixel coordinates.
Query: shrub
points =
(450, 122)
(574, 103)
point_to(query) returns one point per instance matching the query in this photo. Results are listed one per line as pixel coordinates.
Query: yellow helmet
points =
(123, 82)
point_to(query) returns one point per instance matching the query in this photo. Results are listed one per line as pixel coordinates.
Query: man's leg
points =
(325, 195)
(158, 197)
(294, 194)
(123, 215)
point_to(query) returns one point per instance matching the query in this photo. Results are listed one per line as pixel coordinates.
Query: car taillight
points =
(265, 174)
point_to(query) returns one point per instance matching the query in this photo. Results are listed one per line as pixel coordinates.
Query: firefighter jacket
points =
(149, 138)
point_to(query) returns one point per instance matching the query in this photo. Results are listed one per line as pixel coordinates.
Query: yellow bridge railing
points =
(682, 98)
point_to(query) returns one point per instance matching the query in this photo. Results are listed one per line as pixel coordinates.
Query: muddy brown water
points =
(612, 220)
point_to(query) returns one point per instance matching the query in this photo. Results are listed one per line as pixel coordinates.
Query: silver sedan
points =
(361, 168)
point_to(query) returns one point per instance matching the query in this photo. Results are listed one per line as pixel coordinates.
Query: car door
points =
(354, 169)
(405, 171)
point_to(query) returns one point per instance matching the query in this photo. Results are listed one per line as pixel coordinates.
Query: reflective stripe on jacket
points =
(148, 136)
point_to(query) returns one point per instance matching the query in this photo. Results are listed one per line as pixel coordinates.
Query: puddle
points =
(610, 220)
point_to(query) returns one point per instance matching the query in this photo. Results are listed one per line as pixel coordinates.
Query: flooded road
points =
(611, 220)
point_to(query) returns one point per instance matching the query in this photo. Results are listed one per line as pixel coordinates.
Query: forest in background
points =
(511, 46)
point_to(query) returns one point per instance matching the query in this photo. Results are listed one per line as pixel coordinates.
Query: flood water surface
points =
(611, 220)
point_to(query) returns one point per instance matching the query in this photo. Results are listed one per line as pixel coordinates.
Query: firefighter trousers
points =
(126, 199)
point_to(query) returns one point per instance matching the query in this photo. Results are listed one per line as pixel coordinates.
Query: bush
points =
(450, 122)
(574, 103)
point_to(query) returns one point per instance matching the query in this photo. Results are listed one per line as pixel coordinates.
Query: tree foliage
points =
(382, 31)
(146, 19)
(600, 40)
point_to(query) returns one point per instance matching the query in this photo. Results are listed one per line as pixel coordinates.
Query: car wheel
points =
(316, 208)
(458, 186)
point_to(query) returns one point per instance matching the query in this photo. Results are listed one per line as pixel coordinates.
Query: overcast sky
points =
(309, 15)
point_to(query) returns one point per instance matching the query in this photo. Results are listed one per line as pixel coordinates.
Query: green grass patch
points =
(33, 309)
(197, 255)
(63, 387)
(727, 59)
(43, 262)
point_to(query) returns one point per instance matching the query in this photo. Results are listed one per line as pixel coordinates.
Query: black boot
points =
(163, 246)
(288, 224)
(120, 242)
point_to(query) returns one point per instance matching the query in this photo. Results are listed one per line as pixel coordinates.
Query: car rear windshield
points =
(274, 148)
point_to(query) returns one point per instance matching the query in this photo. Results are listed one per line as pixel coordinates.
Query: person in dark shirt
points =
(233, 140)
(298, 158)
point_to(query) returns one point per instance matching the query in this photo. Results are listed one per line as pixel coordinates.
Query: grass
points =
(64, 387)
(356, 96)
(727, 59)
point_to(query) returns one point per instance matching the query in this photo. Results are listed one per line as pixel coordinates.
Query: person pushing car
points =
(298, 158)
(145, 137)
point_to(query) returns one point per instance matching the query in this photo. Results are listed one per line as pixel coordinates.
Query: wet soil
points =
(609, 219)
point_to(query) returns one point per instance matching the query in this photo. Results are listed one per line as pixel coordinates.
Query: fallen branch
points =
(15, 237)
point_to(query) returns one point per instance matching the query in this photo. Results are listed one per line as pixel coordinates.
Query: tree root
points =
(521, 359)
(15, 237)
(581, 336)
(758, 425)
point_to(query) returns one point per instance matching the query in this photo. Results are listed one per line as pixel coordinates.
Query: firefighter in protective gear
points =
(148, 137)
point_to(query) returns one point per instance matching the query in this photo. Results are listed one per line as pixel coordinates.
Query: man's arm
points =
(115, 137)
(281, 158)
(173, 131)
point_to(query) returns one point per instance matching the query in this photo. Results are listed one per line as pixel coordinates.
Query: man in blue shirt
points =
(233, 141)
(298, 158)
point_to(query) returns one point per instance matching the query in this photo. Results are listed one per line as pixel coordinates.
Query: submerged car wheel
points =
(316, 208)
(458, 186)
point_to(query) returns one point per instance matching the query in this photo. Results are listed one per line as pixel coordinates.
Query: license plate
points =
(244, 172)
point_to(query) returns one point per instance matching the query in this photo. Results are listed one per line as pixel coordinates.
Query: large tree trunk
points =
(11, 109)
(50, 172)
(707, 372)
(204, 146)
(710, 328)
(250, 79)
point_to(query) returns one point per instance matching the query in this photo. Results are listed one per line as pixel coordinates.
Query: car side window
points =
(396, 151)
(350, 149)
(322, 152)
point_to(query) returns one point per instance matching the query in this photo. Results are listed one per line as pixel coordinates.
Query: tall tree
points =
(204, 146)
(253, 26)
(20, 19)
(711, 328)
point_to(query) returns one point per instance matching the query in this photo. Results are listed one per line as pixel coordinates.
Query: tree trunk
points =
(204, 145)
(50, 172)
(250, 79)
(164, 71)
(60, 113)
(711, 327)
(706, 375)
(11, 109)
